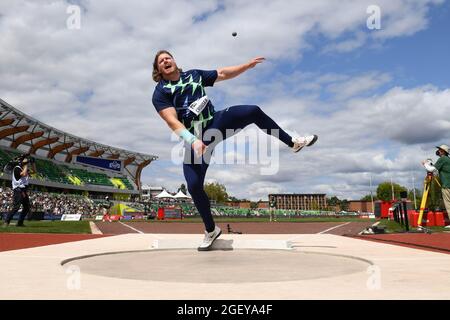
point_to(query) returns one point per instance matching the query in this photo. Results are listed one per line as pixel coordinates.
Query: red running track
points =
(14, 241)
(438, 242)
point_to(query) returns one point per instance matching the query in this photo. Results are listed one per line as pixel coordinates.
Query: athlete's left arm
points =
(232, 72)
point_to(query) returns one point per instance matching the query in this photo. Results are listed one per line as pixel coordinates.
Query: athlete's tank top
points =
(21, 183)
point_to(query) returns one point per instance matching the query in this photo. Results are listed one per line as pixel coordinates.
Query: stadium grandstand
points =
(77, 175)
(67, 163)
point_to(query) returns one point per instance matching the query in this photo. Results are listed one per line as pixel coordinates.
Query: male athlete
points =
(181, 100)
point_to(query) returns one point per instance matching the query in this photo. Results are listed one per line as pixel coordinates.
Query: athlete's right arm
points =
(169, 115)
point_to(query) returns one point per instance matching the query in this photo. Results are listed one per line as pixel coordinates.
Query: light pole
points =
(392, 187)
(414, 191)
(371, 195)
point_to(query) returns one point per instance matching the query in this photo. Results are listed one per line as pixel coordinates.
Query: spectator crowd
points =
(52, 203)
(60, 203)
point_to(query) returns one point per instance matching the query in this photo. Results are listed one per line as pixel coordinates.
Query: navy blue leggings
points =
(236, 117)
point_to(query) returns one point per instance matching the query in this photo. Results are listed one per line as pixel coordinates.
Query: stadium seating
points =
(93, 178)
(6, 156)
(118, 183)
(47, 170)
(50, 171)
(126, 182)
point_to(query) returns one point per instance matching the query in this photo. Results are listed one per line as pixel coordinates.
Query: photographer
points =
(442, 166)
(20, 177)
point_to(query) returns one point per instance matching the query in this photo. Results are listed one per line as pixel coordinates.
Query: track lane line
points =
(134, 229)
(341, 225)
(94, 228)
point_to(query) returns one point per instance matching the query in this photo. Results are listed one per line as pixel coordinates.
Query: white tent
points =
(181, 195)
(164, 194)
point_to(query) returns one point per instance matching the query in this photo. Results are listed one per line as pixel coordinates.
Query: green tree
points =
(418, 197)
(368, 197)
(344, 205)
(182, 188)
(333, 201)
(216, 192)
(384, 191)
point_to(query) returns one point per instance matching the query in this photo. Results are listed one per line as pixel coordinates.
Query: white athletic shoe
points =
(300, 142)
(209, 239)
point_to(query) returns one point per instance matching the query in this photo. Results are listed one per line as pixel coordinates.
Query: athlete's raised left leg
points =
(238, 117)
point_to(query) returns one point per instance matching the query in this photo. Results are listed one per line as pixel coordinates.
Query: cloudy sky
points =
(379, 98)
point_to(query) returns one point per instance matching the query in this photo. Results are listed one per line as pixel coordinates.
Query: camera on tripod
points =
(429, 166)
(18, 161)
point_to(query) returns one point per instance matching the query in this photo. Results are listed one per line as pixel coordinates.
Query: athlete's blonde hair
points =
(156, 75)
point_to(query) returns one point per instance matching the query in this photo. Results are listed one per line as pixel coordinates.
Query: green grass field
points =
(68, 227)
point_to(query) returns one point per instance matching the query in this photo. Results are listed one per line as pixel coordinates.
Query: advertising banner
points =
(113, 165)
(71, 217)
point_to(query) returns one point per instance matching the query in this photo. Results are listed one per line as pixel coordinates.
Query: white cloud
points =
(357, 85)
(348, 45)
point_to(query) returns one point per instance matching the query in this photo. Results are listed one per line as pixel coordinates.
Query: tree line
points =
(386, 191)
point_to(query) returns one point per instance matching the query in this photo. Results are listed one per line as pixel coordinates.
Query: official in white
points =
(20, 181)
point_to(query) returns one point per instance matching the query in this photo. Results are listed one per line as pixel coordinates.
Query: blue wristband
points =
(187, 136)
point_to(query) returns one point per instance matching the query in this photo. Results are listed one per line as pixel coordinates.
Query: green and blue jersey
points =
(180, 94)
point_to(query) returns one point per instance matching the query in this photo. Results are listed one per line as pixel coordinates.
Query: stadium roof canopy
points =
(28, 135)
(164, 194)
(181, 195)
